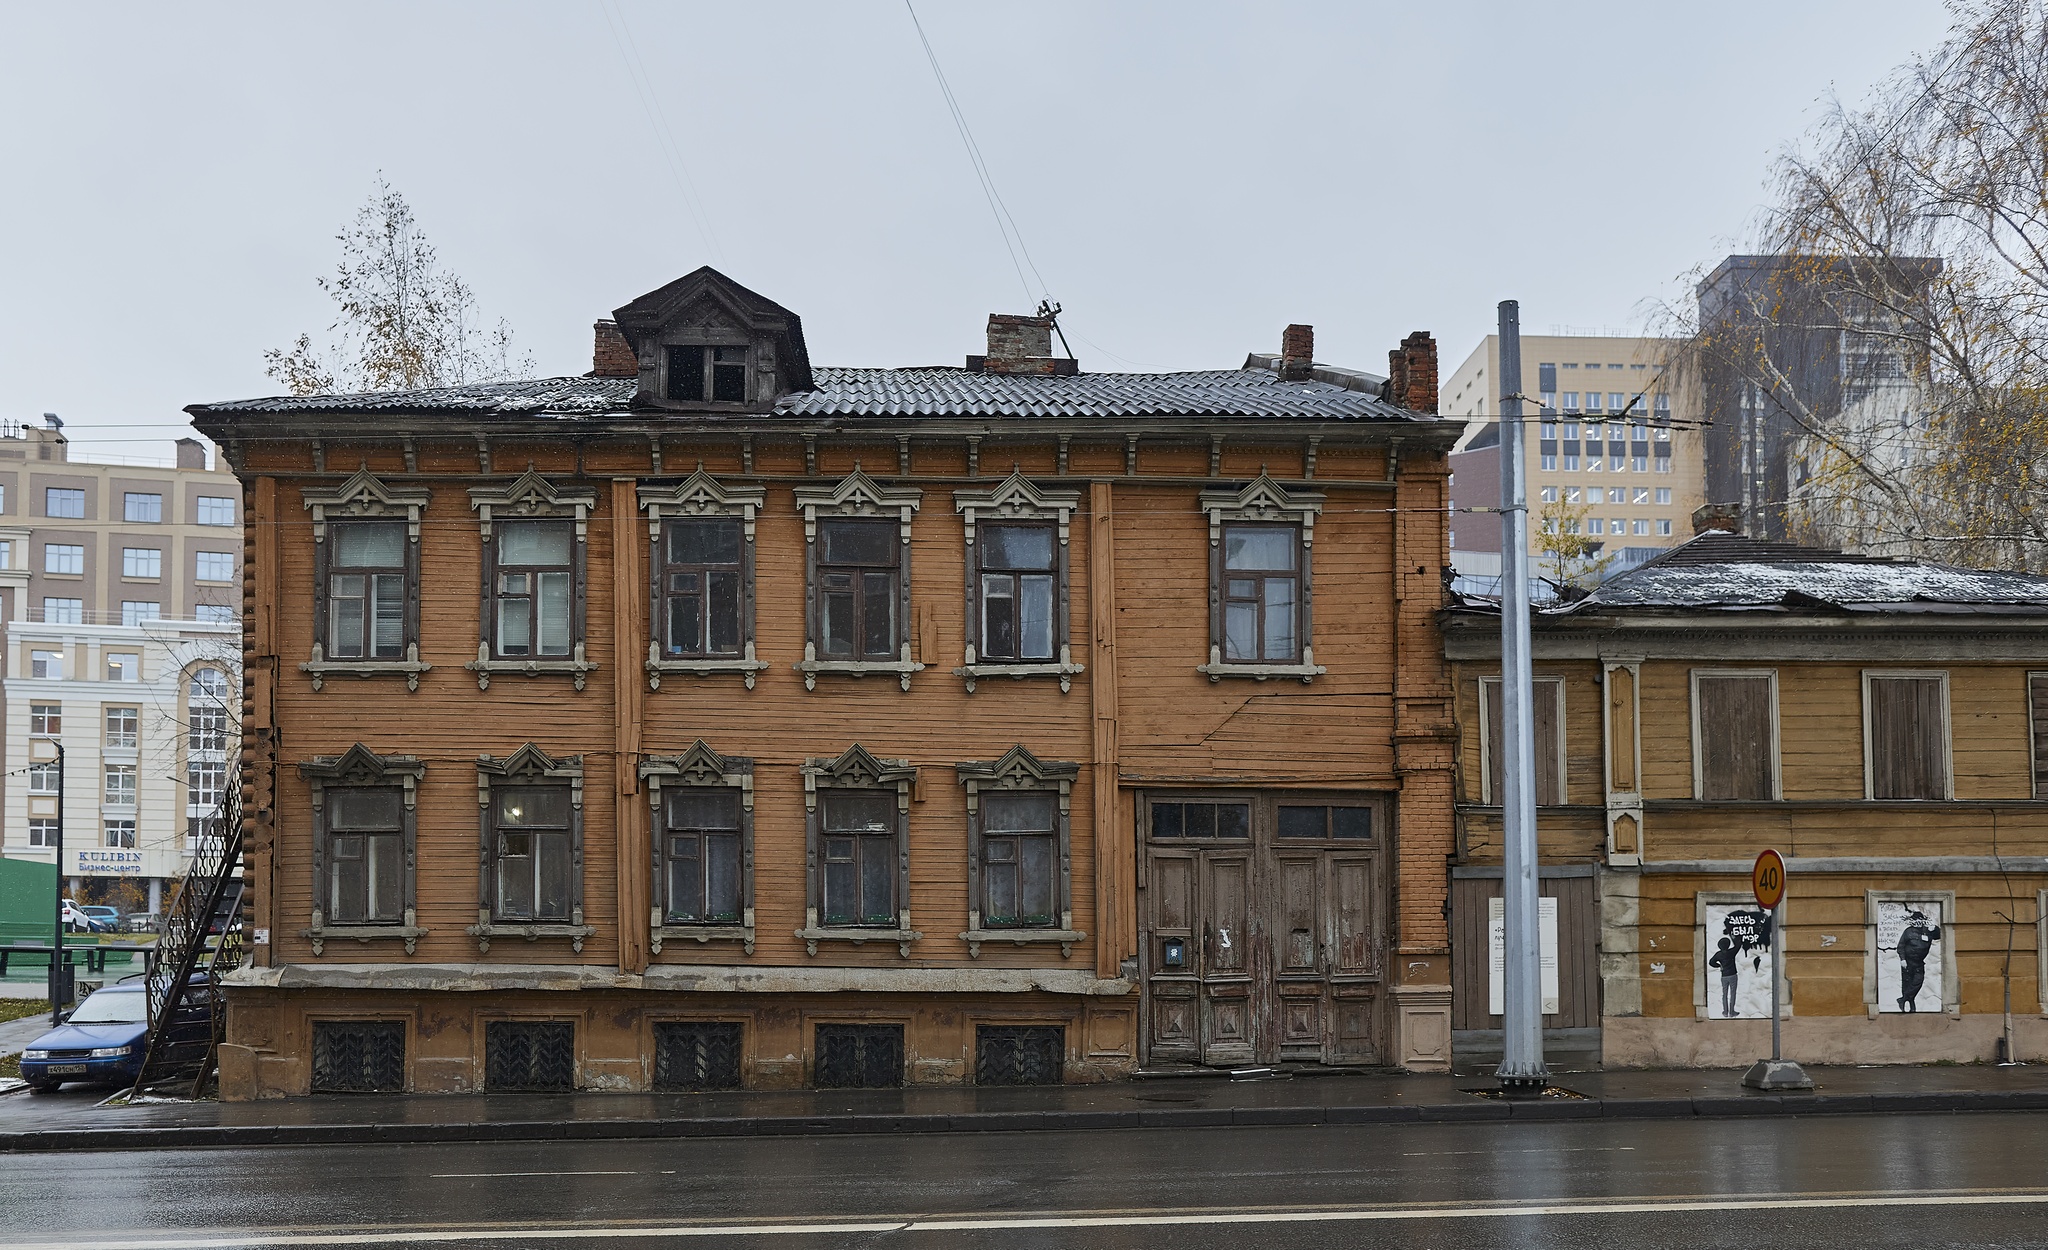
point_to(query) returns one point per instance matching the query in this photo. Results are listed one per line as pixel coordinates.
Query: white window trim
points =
(1020, 499)
(702, 495)
(1486, 793)
(702, 767)
(2033, 753)
(366, 496)
(529, 497)
(856, 496)
(1948, 755)
(1262, 501)
(529, 765)
(1699, 777)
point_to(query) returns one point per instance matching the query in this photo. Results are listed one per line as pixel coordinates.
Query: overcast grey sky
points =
(1189, 177)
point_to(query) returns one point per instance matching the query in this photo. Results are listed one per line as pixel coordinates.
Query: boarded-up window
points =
(1548, 706)
(1733, 721)
(1907, 736)
(2037, 710)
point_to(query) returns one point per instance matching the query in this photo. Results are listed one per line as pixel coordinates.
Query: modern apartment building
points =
(1612, 444)
(119, 593)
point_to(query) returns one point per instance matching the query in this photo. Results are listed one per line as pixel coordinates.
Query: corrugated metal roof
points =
(1720, 570)
(924, 392)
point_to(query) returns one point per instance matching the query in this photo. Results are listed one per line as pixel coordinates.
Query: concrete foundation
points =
(1928, 1037)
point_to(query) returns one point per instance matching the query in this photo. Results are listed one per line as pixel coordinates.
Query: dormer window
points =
(700, 373)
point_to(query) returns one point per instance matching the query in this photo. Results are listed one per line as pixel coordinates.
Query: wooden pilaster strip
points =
(1116, 865)
(629, 611)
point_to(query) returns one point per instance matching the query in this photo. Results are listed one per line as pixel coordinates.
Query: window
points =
(1735, 735)
(42, 832)
(141, 508)
(1663, 494)
(1018, 860)
(1663, 464)
(1259, 541)
(2037, 720)
(48, 664)
(366, 590)
(856, 808)
(703, 845)
(1637, 464)
(699, 373)
(61, 501)
(1664, 528)
(535, 614)
(142, 561)
(1640, 494)
(1333, 821)
(1204, 820)
(63, 558)
(122, 724)
(1617, 402)
(215, 510)
(363, 838)
(214, 614)
(1905, 735)
(1549, 494)
(857, 578)
(206, 711)
(1549, 462)
(1571, 463)
(1595, 525)
(206, 782)
(533, 853)
(702, 589)
(46, 720)
(124, 666)
(1016, 592)
(119, 833)
(120, 787)
(42, 778)
(1592, 401)
(1570, 403)
(63, 611)
(358, 1056)
(6, 553)
(136, 611)
(1639, 526)
(214, 566)
(1547, 706)
(1571, 494)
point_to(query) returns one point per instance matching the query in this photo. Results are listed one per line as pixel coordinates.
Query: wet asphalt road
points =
(1863, 1181)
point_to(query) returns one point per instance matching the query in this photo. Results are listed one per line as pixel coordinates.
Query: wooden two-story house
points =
(716, 719)
(1882, 723)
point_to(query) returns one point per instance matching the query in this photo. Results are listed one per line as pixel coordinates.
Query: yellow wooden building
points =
(716, 720)
(1883, 724)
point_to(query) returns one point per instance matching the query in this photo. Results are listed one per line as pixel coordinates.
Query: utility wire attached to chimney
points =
(1006, 225)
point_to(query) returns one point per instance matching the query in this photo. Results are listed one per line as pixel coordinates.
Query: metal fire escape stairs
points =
(203, 940)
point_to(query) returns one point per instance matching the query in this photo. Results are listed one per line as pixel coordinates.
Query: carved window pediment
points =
(530, 496)
(1019, 783)
(342, 909)
(360, 766)
(365, 496)
(857, 495)
(701, 495)
(694, 833)
(1262, 500)
(856, 769)
(1017, 498)
(1018, 769)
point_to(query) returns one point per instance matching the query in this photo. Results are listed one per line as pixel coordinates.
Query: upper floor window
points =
(46, 663)
(1547, 704)
(42, 778)
(214, 510)
(135, 611)
(63, 558)
(63, 612)
(703, 574)
(1735, 734)
(1259, 580)
(213, 613)
(698, 373)
(535, 613)
(122, 726)
(2037, 719)
(366, 590)
(1017, 579)
(1906, 735)
(142, 562)
(141, 508)
(46, 720)
(124, 666)
(703, 845)
(120, 788)
(64, 501)
(206, 711)
(857, 566)
(214, 566)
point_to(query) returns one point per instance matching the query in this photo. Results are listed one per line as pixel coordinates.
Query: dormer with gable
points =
(704, 343)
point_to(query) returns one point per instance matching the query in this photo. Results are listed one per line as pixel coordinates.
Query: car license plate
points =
(65, 1069)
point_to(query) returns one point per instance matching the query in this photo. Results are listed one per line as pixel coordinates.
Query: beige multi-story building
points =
(120, 591)
(1613, 448)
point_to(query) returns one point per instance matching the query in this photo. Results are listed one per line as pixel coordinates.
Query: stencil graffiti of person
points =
(1724, 959)
(1916, 940)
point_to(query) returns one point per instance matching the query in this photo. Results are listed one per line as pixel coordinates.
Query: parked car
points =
(108, 917)
(142, 922)
(104, 1040)
(78, 920)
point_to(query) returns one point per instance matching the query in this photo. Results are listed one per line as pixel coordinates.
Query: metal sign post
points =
(45, 751)
(1767, 882)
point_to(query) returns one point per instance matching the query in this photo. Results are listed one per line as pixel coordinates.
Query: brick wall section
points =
(1019, 344)
(612, 356)
(1418, 352)
(1425, 732)
(1297, 351)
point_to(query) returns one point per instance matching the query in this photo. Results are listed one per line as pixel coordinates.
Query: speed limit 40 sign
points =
(1767, 878)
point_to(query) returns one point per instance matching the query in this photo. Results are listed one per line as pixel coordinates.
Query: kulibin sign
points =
(1767, 879)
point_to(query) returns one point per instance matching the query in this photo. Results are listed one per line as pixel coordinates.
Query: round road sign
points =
(1767, 878)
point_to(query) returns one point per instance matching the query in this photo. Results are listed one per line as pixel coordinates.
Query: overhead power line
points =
(657, 120)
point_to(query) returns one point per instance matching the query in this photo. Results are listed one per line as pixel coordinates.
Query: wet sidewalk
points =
(62, 1122)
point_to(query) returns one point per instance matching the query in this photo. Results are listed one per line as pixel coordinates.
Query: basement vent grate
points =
(858, 1056)
(696, 1055)
(529, 1055)
(1007, 1054)
(358, 1056)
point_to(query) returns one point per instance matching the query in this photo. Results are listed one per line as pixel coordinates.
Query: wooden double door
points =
(1265, 927)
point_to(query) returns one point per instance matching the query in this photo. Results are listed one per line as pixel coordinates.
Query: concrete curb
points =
(164, 1137)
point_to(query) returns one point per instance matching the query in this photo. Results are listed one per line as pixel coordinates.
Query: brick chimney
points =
(1725, 517)
(1297, 352)
(612, 357)
(1020, 345)
(1411, 374)
(191, 453)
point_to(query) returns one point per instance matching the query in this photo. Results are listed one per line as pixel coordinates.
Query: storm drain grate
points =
(696, 1055)
(859, 1056)
(1012, 1054)
(529, 1055)
(358, 1056)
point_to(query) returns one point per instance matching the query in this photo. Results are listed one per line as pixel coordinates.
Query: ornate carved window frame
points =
(701, 495)
(855, 769)
(856, 497)
(1019, 770)
(700, 766)
(527, 766)
(366, 497)
(1018, 498)
(1261, 501)
(531, 497)
(360, 767)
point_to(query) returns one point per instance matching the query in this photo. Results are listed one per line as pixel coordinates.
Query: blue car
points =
(103, 1041)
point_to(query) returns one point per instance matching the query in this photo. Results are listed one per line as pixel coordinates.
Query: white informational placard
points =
(1497, 953)
(1909, 956)
(1736, 975)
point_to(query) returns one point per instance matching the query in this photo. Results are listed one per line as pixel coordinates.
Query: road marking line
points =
(482, 1175)
(442, 1236)
(1567, 1150)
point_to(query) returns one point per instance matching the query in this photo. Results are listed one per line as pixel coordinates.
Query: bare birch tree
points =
(1900, 334)
(402, 321)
